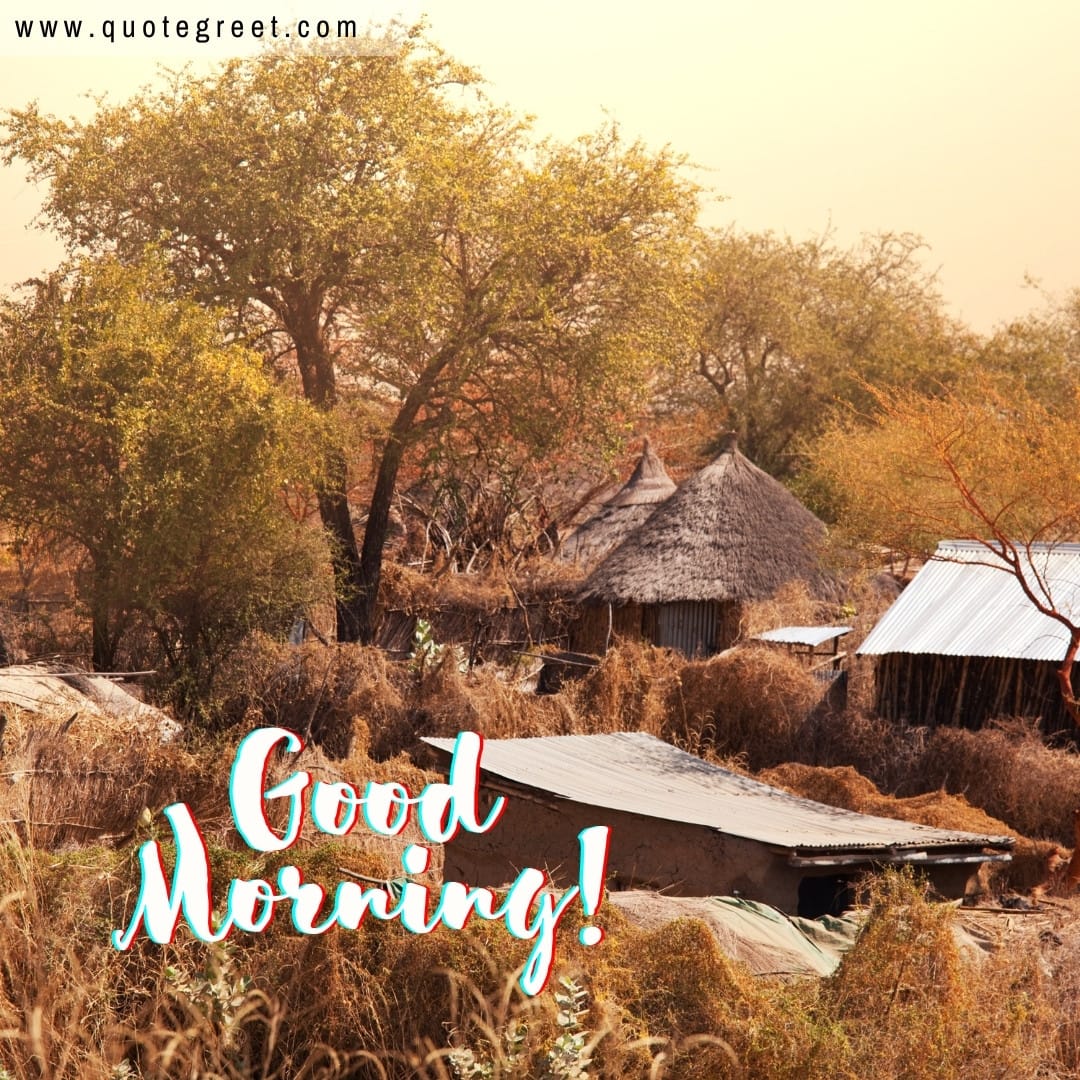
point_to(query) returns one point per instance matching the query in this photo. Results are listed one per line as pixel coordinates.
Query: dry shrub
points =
(1011, 773)
(333, 696)
(890, 755)
(448, 701)
(85, 778)
(842, 786)
(791, 605)
(751, 701)
(911, 1005)
(629, 690)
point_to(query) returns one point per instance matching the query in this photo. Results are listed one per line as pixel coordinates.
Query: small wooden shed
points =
(962, 644)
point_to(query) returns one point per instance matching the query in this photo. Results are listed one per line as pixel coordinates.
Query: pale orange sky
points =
(956, 119)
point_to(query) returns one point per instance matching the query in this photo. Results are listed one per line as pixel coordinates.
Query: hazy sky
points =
(956, 120)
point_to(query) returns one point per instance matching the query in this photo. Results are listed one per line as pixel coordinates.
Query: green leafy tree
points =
(785, 330)
(406, 241)
(128, 429)
(1040, 350)
(986, 461)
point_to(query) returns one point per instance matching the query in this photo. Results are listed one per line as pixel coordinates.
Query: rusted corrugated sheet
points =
(640, 774)
(960, 604)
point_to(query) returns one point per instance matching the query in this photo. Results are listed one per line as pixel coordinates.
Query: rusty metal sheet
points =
(641, 774)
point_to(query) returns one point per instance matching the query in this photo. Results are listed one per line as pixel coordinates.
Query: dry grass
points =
(907, 1001)
(1011, 773)
(749, 701)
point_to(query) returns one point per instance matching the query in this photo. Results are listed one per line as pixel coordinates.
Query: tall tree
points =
(986, 461)
(786, 329)
(129, 430)
(408, 247)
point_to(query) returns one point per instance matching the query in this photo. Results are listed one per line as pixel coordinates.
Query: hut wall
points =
(592, 628)
(645, 852)
(967, 691)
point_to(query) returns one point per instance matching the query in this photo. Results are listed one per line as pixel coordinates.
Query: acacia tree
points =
(129, 430)
(409, 249)
(784, 330)
(986, 461)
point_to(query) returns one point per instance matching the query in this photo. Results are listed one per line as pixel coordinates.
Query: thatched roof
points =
(632, 505)
(731, 532)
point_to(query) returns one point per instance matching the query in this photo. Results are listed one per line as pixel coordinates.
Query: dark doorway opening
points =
(830, 894)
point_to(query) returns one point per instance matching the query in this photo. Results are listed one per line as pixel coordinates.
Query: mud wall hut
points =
(729, 535)
(962, 644)
(687, 827)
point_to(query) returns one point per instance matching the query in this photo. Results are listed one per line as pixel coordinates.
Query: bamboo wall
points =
(967, 691)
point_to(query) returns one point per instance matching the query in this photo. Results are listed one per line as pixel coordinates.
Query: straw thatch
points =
(632, 505)
(730, 533)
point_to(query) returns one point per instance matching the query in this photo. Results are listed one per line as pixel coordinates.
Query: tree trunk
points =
(1072, 705)
(103, 652)
(401, 432)
(375, 535)
(320, 388)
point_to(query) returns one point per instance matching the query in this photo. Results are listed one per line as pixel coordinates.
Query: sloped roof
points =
(641, 774)
(804, 635)
(730, 532)
(632, 505)
(961, 604)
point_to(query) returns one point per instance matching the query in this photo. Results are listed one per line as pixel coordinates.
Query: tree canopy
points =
(128, 428)
(401, 239)
(786, 330)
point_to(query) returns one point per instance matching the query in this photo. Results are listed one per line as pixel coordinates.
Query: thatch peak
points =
(648, 487)
(649, 483)
(731, 532)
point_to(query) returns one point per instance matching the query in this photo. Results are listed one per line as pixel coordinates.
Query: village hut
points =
(962, 644)
(729, 535)
(632, 505)
(688, 827)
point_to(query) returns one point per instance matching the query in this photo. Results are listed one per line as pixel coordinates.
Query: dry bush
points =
(447, 701)
(628, 691)
(85, 778)
(890, 755)
(751, 701)
(334, 696)
(1011, 773)
(911, 1005)
(792, 605)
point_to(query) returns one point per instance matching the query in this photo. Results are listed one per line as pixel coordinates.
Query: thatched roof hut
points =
(632, 505)
(730, 534)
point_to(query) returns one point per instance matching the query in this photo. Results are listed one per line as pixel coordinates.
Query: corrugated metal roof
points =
(640, 774)
(960, 604)
(804, 635)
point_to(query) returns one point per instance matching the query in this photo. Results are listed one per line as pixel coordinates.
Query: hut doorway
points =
(829, 894)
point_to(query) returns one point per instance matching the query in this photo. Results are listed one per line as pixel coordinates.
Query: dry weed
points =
(1011, 773)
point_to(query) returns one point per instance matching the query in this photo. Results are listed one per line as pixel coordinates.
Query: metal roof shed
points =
(963, 644)
(691, 828)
